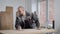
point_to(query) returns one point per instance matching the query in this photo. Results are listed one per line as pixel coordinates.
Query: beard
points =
(21, 14)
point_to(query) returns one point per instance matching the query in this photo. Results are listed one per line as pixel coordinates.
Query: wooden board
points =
(28, 31)
(7, 19)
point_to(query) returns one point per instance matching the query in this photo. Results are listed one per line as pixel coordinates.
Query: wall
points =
(57, 15)
(28, 5)
(42, 12)
(14, 3)
(34, 5)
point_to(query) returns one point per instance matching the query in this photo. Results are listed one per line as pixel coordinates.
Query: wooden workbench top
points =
(28, 31)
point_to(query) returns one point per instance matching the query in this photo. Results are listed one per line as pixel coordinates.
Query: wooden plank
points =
(28, 31)
(7, 18)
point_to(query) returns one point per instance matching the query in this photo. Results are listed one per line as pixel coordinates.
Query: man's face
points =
(21, 10)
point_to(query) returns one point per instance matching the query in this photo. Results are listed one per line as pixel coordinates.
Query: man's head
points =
(21, 10)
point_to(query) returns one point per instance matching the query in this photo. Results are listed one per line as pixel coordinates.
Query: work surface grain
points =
(28, 31)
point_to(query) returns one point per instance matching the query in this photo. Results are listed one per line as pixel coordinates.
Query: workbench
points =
(28, 31)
